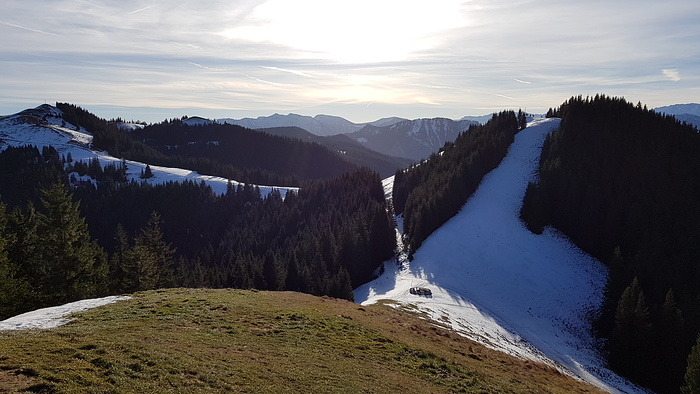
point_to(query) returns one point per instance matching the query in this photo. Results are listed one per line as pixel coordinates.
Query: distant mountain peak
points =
(689, 113)
(677, 109)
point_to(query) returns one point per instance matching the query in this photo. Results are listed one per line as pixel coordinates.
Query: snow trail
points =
(532, 296)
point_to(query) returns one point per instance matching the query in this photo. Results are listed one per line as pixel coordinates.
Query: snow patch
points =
(56, 315)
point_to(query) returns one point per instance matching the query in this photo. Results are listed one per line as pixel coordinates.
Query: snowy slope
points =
(43, 126)
(495, 282)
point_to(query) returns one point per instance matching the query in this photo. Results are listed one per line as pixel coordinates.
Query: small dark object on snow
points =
(421, 291)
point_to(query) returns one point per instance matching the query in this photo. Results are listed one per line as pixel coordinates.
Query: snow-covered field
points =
(493, 281)
(56, 315)
(66, 140)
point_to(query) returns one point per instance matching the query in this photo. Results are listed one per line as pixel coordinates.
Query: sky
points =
(360, 59)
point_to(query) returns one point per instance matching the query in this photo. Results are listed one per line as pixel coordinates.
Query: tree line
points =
(224, 150)
(59, 243)
(430, 193)
(226, 144)
(623, 182)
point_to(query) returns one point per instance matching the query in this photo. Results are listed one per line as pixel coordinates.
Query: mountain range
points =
(323, 125)
(395, 137)
(689, 113)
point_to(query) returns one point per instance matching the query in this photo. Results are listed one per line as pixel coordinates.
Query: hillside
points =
(623, 183)
(213, 146)
(414, 139)
(495, 282)
(351, 150)
(324, 239)
(44, 126)
(189, 340)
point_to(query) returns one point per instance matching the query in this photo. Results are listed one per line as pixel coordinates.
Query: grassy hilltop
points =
(195, 340)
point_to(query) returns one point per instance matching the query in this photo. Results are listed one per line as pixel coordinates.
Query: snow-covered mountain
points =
(44, 126)
(494, 281)
(197, 121)
(413, 139)
(480, 119)
(689, 113)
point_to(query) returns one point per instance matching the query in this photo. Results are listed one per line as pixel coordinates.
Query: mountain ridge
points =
(415, 139)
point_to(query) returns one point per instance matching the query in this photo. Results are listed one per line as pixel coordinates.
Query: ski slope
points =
(532, 296)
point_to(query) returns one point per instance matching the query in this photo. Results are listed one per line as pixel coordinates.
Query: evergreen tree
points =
(122, 270)
(670, 348)
(631, 332)
(341, 286)
(692, 372)
(153, 257)
(147, 173)
(14, 291)
(72, 266)
(522, 119)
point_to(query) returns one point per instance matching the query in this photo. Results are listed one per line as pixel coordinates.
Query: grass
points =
(202, 341)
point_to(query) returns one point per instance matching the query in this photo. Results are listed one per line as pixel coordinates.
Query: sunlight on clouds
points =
(360, 31)
(672, 74)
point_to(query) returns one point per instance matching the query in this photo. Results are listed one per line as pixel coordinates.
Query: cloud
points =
(672, 73)
(141, 9)
(265, 56)
(29, 29)
(288, 71)
(207, 68)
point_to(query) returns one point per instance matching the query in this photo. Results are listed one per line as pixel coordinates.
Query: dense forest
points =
(246, 149)
(433, 191)
(224, 150)
(60, 243)
(623, 182)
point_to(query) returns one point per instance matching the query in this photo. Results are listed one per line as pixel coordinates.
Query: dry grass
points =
(196, 340)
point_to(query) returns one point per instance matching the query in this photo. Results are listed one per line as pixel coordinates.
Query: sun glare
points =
(360, 31)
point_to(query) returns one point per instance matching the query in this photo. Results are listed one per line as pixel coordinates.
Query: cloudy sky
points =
(360, 59)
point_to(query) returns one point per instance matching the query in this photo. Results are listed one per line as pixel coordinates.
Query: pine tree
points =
(522, 119)
(72, 266)
(671, 350)
(631, 332)
(14, 291)
(692, 372)
(147, 173)
(122, 270)
(153, 256)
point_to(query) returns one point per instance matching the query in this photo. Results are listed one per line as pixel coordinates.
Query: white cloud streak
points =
(672, 74)
(302, 74)
(142, 9)
(29, 29)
